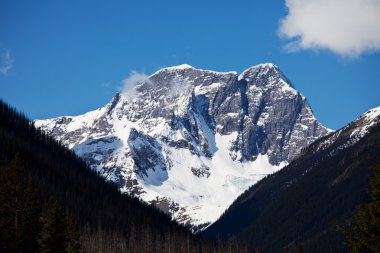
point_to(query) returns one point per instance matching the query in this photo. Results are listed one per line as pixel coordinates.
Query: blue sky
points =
(68, 57)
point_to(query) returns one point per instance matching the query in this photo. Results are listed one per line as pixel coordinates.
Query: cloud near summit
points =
(348, 28)
(132, 80)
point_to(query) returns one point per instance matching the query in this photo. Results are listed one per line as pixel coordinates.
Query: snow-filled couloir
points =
(190, 141)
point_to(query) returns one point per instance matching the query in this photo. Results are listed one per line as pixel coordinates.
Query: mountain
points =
(189, 140)
(313, 199)
(35, 168)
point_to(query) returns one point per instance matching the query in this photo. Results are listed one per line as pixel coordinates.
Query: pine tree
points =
(30, 219)
(18, 210)
(365, 236)
(54, 238)
(73, 242)
(8, 207)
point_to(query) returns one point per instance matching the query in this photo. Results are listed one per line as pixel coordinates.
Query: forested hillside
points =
(310, 203)
(45, 186)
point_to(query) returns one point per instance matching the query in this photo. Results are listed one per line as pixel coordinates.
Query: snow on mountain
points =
(352, 133)
(366, 122)
(189, 140)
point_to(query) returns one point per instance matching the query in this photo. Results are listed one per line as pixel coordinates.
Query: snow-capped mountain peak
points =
(189, 140)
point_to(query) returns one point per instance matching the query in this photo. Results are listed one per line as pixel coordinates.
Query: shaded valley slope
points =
(311, 201)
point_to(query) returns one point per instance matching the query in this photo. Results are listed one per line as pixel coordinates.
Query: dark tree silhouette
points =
(73, 236)
(18, 209)
(54, 236)
(365, 235)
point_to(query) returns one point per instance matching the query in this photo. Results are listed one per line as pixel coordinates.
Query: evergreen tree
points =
(73, 242)
(30, 219)
(365, 236)
(18, 210)
(54, 238)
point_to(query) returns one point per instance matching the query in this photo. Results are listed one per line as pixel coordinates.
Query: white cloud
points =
(6, 62)
(132, 80)
(345, 27)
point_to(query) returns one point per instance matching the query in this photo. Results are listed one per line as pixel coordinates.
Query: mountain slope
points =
(309, 201)
(190, 140)
(108, 220)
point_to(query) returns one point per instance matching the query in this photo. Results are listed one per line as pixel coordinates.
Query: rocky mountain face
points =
(189, 140)
(311, 201)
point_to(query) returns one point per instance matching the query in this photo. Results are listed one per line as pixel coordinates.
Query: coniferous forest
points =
(52, 202)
